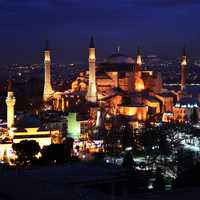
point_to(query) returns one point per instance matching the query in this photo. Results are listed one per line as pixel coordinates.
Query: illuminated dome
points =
(139, 84)
(117, 62)
(119, 59)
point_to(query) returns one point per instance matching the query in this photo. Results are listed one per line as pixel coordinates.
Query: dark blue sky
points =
(158, 26)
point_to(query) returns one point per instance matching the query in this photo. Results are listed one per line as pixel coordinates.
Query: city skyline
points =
(159, 27)
(99, 99)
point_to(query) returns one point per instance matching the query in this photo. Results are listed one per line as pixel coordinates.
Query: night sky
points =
(160, 27)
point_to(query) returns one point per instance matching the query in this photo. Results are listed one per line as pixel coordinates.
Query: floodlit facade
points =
(74, 126)
(77, 127)
(122, 86)
(43, 137)
(184, 108)
(137, 112)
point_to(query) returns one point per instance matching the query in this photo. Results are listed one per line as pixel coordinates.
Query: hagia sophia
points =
(118, 86)
(121, 85)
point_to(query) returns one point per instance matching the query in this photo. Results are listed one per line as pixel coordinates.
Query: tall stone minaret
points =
(136, 73)
(92, 90)
(10, 102)
(48, 91)
(184, 69)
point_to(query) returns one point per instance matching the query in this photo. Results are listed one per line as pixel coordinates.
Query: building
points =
(23, 127)
(184, 109)
(120, 77)
(122, 86)
(30, 128)
(77, 126)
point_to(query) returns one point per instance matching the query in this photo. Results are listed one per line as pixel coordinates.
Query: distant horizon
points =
(55, 56)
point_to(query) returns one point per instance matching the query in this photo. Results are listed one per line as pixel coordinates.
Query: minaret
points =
(138, 63)
(92, 90)
(136, 73)
(184, 69)
(10, 102)
(48, 91)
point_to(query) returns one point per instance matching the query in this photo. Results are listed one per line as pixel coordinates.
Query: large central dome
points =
(118, 62)
(119, 58)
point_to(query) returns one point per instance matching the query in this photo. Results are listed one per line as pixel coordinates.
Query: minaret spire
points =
(48, 91)
(138, 60)
(184, 51)
(138, 50)
(10, 87)
(184, 69)
(135, 81)
(91, 92)
(92, 45)
(47, 45)
(118, 49)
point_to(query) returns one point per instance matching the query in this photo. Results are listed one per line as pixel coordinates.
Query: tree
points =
(128, 161)
(150, 139)
(159, 183)
(57, 153)
(158, 144)
(68, 147)
(189, 177)
(54, 153)
(127, 136)
(26, 151)
(185, 160)
(111, 132)
(194, 116)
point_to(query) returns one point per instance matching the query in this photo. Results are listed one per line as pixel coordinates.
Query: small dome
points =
(119, 59)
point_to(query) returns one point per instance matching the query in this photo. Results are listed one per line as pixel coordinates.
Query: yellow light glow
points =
(47, 56)
(92, 54)
(11, 132)
(107, 116)
(139, 84)
(139, 112)
(139, 60)
(184, 60)
(139, 116)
